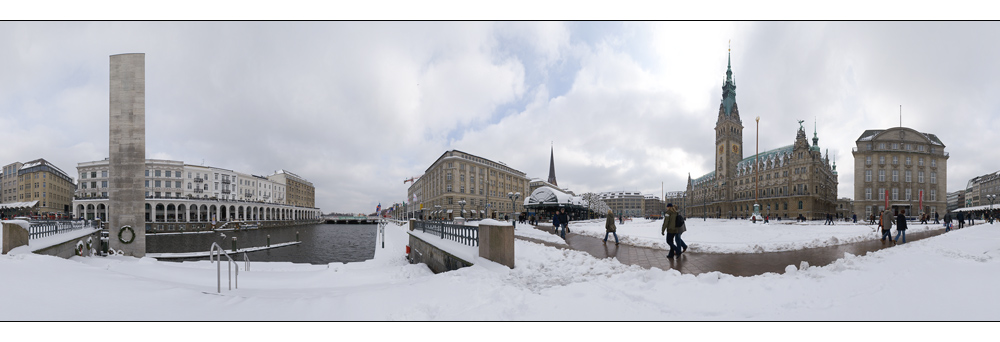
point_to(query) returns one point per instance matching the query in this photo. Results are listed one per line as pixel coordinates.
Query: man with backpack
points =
(671, 228)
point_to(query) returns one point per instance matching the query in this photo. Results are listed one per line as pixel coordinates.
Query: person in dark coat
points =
(947, 222)
(900, 227)
(855, 218)
(610, 227)
(961, 219)
(670, 228)
(936, 218)
(555, 222)
(564, 221)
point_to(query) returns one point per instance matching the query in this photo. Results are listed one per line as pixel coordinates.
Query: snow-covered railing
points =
(49, 228)
(468, 235)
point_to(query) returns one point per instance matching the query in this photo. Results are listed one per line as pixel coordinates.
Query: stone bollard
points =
(412, 223)
(269, 240)
(234, 244)
(496, 243)
(12, 235)
(297, 236)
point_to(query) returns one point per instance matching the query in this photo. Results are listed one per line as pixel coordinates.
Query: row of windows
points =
(895, 194)
(895, 176)
(896, 146)
(895, 161)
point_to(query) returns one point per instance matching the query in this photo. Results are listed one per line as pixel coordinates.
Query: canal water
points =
(321, 243)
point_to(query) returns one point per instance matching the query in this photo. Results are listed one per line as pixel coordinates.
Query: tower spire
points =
(815, 136)
(729, 86)
(552, 166)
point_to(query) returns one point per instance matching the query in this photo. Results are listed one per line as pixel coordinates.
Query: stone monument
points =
(127, 155)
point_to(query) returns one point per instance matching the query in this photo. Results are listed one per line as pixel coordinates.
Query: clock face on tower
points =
(736, 148)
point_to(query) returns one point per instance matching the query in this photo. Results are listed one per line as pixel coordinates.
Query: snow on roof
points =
(549, 195)
(870, 135)
(15, 205)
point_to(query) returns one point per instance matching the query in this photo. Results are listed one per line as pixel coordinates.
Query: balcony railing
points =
(199, 190)
(225, 191)
(198, 179)
(225, 181)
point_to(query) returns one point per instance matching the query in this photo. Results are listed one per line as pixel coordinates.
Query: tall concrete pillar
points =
(127, 155)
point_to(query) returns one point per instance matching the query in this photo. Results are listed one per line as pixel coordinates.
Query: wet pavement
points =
(745, 264)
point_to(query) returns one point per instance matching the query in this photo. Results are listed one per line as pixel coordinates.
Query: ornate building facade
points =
(787, 181)
(902, 170)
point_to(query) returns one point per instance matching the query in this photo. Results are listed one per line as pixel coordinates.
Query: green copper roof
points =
(766, 155)
(729, 90)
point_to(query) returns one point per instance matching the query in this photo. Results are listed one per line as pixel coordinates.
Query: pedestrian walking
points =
(765, 221)
(936, 218)
(555, 222)
(564, 220)
(872, 219)
(900, 227)
(886, 224)
(670, 228)
(610, 227)
(621, 219)
(961, 220)
(972, 219)
(855, 217)
(947, 223)
(682, 227)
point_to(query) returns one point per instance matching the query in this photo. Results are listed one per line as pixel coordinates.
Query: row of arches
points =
(203, 212)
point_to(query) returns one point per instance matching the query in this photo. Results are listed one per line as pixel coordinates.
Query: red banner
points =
(887, 199)
(921, 209)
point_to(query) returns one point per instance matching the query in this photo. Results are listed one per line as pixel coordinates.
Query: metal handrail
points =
(246, 261)
(212, 258)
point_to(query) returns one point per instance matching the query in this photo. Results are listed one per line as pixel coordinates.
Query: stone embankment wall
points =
(12, 236)
(67, 249)
(436, 259)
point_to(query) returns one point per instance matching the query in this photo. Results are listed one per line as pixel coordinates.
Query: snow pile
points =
(741, 236)
(949, 277)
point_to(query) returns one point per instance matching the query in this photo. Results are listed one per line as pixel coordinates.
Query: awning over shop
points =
(449, 211)
(18, 205)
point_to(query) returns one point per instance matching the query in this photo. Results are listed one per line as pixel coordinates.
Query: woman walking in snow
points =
(610, 227)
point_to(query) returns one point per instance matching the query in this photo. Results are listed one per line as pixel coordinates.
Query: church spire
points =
(552, 167)
(729, 87)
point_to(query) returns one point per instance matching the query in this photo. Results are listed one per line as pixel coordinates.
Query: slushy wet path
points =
(741, 264)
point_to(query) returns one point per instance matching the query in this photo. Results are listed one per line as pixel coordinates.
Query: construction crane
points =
(411, 179)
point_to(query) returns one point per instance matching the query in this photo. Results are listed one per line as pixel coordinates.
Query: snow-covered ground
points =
(948, 277)
(741, 236)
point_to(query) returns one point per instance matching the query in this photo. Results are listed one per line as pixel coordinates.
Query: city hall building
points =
(787, 182)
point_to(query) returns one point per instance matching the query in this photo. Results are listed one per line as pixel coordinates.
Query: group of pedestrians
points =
(561, 220)
(673, 231)
(886, 224)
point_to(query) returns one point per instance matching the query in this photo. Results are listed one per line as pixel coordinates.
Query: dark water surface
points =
(321, 243)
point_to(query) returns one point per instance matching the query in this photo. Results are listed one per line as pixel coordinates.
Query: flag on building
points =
(378, 208)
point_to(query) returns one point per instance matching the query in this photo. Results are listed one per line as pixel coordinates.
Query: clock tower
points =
(728, 135)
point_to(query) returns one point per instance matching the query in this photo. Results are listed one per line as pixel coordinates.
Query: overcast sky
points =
(357, 107)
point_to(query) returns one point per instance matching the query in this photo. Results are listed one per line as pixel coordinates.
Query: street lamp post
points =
(756, 175)
(513, 197)
(462, 204)
(991, 198)
(437, 211)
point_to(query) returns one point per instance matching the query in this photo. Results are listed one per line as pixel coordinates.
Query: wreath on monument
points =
(131, 235)
(79, 248)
